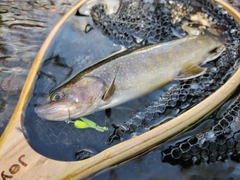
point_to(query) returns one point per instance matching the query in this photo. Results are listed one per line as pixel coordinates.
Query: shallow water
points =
(136, 116)
(156, 165)
(24, 26)
(27, 24)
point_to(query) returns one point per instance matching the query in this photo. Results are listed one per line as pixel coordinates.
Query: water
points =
(24, 26)
(84, 49)
(201, 163)
(74, 47)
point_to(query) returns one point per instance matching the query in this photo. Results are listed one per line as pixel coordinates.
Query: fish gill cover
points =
(136, 24)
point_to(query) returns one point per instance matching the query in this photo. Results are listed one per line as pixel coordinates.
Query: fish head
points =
(73, 100)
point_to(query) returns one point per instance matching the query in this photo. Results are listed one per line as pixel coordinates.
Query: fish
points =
(121, 78)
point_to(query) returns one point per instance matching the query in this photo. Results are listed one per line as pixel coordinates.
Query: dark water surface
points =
(173, 160)
(74, 49)
(24, 26)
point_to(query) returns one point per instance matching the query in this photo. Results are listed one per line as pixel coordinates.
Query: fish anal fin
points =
(110, 91)
(190, 71)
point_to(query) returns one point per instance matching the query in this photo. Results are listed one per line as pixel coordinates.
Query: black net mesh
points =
(220, 142)
(136, 24)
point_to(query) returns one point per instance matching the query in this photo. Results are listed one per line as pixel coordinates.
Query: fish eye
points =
(57, 96)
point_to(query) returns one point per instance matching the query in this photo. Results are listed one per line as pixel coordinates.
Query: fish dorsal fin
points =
(190, 71)
(109, 92)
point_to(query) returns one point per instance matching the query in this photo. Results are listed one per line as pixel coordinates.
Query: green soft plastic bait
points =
(86, 123)
(80, 124)
(89, 122)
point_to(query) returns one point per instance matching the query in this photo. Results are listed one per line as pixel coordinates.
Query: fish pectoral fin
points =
(110, 91)
(190, 71)
(215, 54)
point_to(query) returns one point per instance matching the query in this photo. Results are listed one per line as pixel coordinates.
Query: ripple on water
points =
(24, 26)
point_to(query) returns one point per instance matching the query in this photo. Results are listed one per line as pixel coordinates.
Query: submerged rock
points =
(13, 82)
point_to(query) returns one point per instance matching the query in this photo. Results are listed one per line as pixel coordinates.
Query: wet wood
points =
(19, 161)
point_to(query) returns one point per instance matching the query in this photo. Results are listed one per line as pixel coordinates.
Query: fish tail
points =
(218, 32)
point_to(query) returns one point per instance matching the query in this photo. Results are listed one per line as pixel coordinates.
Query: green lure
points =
(86, 123)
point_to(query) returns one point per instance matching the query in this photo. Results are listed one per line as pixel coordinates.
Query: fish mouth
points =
(59, 113)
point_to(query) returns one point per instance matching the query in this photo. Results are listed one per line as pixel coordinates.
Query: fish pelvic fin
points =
(190, 71)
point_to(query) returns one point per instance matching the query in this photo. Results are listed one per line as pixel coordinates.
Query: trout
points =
(118, 79)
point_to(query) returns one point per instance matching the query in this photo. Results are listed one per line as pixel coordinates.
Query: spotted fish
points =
(118, 79)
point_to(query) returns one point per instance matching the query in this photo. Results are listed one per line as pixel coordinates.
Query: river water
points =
(24, 26)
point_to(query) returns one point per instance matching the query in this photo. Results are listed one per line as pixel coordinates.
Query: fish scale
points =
(225, 62)
(178, 97)
(154, 66)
